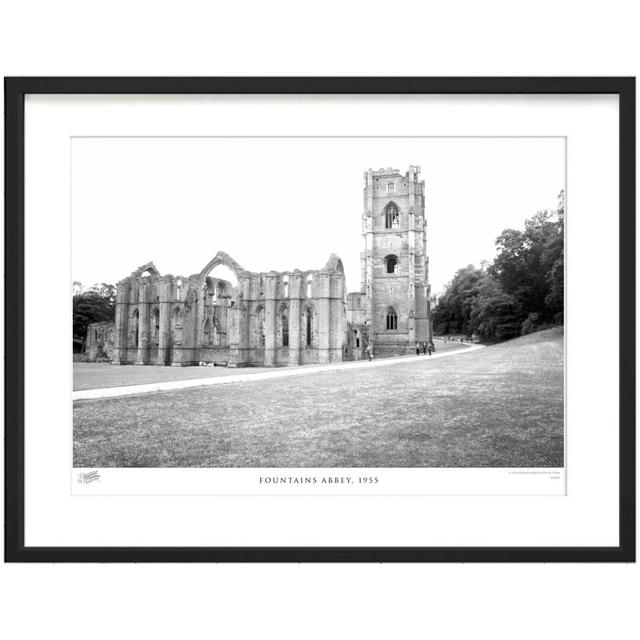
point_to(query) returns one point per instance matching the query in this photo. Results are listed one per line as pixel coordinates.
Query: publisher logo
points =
(88, 477)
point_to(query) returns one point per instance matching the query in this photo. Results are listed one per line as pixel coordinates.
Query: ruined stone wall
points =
(100, 341)
(268, 319)
(156, 320)
(293, 317)
(357, 341)
(356, 312)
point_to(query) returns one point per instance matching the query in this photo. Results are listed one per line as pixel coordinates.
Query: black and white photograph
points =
(321, 302)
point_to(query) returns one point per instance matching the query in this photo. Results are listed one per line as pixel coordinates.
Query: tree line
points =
(91, 304)
(520, 292)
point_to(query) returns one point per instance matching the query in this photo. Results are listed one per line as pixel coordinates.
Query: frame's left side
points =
(14, 322)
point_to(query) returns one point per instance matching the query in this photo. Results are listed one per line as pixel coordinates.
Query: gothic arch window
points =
(308, 317)
(215, 332)
(260, 329)
(156, 326)
(285, 327)
(392, 319)
(391, 264)
(176, 326)
(391, 216)
(136, 327)
(220, 290)
(210, 291)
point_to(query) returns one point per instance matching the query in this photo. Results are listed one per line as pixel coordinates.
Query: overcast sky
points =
(286, 203)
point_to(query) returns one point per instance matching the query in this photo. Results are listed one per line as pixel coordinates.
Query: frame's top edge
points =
(319, 84)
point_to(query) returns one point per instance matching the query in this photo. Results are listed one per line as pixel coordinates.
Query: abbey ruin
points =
(285, 318)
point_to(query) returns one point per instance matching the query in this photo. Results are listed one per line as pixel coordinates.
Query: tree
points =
(452, 311)
(93, 304)
(520, 292)
(530, 264)
(495, 314)
(553, 259)
(475, 303)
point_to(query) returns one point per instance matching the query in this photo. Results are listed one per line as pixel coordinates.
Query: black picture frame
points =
(15, 91)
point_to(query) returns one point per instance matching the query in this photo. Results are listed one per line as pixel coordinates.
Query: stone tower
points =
(394, 264)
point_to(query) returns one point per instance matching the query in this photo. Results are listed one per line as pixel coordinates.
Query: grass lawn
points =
(498, 407)
(102, 375)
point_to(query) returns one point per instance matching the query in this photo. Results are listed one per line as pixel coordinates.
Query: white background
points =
(457, 601)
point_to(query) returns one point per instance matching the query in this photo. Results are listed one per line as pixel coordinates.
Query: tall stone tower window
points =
(285, 287)
(392, 319)
(391, 264)
(309, 281)
(391, 216)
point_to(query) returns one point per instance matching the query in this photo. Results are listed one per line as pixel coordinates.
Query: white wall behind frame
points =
(373, 601)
